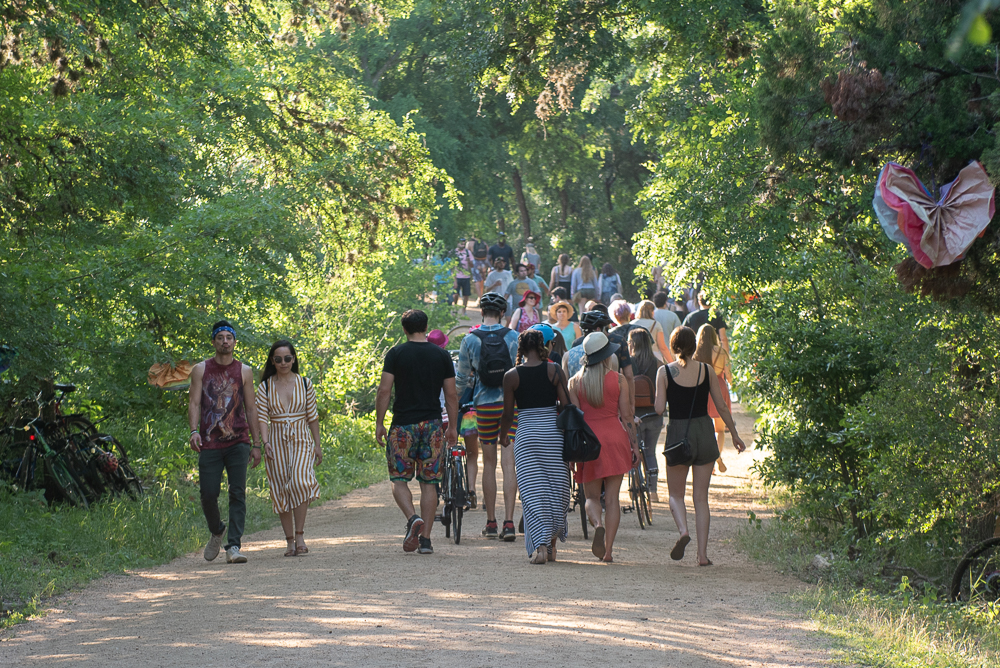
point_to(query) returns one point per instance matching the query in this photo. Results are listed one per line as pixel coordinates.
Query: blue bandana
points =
(224, 328)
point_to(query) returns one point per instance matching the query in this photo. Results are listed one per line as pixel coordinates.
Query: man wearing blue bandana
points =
(222, 412)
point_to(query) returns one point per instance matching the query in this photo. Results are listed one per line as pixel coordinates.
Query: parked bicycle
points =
(454, 492)
(97, 463)
(578, 500)
(978, 574)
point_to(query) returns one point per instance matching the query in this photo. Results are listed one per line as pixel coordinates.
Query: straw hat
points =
(555, 305)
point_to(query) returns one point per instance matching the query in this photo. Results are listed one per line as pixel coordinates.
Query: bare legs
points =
(472, 459)
(677, 484)
(490, 481)
(428, 503)
(720, 438)
(294, 522)
(612, 513)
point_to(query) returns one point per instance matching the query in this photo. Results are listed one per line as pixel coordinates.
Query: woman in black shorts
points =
(685, 385)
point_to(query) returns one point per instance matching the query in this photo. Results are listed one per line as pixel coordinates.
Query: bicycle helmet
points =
(547, 332)
(493, 301)
(594, 320)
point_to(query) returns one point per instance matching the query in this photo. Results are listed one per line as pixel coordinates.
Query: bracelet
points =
(194, 431)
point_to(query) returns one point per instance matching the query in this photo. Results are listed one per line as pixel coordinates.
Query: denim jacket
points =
(468, 358)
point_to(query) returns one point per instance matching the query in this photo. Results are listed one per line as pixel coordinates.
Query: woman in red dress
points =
(601, 393)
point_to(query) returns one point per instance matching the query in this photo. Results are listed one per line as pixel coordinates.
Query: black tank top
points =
(534, 389)
(679, 397)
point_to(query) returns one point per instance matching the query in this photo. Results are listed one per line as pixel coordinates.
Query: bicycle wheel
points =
(123, 478)
(458, 501)
(64, 482)
(634, 493)
(447, 507)
(581, 500)
(647, 503)
(978, 574)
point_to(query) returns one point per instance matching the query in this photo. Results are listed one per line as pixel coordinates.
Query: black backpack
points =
(480, 249)
(494, 357)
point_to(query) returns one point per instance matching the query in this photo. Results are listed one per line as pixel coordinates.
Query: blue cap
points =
(547, 332)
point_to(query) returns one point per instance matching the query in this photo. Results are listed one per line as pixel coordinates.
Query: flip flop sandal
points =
(598, 547)
(290, 552)
(707, 563)
(678, 552)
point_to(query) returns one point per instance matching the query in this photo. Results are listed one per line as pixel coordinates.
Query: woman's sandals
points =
(301, 549)
(678, 552)
(598, 547)
(290, 552)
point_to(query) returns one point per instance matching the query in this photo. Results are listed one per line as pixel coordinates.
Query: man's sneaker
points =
(508, 533)
(491, 529)
(425, 546)
(214, 544)
(413, 528)
(233, 556)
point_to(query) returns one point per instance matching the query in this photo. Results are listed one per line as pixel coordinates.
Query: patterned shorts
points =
(468, 427)
(415, 448)
(488, 422)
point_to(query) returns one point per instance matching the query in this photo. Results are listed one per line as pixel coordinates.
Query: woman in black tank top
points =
(686, 385)
(535, 386)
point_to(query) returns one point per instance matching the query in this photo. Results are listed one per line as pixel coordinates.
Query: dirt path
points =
(358, 600)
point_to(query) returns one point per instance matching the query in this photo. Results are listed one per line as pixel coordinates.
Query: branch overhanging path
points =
(358, 600)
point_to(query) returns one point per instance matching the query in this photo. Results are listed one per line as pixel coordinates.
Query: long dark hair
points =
(559, 344)
(640, 345)
(269, 368)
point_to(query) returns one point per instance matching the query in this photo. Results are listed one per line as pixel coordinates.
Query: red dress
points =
(616, 451)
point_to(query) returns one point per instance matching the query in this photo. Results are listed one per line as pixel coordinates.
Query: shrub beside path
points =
(357, 600)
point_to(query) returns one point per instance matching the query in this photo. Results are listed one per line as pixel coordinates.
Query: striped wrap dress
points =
(290, 467)
(542, 475)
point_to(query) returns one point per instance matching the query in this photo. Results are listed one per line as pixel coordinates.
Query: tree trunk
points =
(522, 205)
(564, 204)
(501, 223)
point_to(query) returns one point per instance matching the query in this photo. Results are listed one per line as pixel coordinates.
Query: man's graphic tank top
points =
(223, 413)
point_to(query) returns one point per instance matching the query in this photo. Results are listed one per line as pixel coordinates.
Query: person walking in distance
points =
(481, 265)
(562, 275)
(530, 255)
(706, 314)
(710, 352)
(500, 250)
(221, 413)
(463, 274)
(289, 428)
(487, 353)
(418, 370)
(583, 283)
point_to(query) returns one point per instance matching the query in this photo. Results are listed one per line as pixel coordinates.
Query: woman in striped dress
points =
(535, 385)
(289, 427)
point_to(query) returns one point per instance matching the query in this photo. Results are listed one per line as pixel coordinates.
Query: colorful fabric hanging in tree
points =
(937, 233)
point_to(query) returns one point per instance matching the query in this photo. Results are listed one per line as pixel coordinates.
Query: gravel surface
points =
(358, 600)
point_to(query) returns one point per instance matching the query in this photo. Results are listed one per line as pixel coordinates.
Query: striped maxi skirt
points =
(542, 476)
(290, 473)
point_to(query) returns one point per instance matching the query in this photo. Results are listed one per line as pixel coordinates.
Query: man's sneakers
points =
(233, 556)
(491, 529)
(214, 544)
(425, 546)
(413, 527)
(508, 533)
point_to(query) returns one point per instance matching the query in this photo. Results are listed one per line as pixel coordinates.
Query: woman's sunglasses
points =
(287, 359)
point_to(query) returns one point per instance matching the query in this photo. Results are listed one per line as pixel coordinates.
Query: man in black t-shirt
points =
(419, 370)
(704, 315)
(501, 250)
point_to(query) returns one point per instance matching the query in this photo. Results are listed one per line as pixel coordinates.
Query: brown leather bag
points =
(645, 391)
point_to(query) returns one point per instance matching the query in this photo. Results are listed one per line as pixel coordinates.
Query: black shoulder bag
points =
(681, 453)
(580, 443)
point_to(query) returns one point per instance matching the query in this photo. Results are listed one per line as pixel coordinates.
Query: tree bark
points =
(564, 204)
(502, 223)
(522, 205)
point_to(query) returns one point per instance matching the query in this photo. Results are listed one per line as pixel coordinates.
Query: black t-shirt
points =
(420, 370)
(623, 354)
(505, 251)
(696, 319)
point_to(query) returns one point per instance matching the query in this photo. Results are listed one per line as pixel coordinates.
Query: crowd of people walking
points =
(622, 365)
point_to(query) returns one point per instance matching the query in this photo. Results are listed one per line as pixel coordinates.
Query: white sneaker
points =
(233, 556)
(214, 545)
